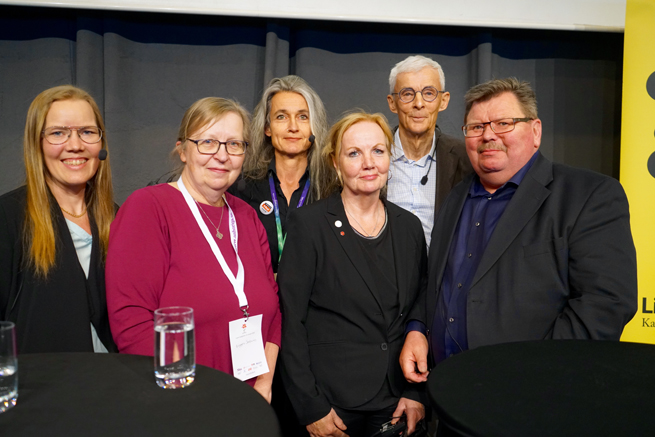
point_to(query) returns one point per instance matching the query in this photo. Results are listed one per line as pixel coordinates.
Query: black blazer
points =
(560, 264)
(337, 345)
(51, 315)
(453, 165)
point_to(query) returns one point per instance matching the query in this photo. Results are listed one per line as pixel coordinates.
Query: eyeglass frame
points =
(514, 121)
(220, 143)
(71, 129)
(416, 92)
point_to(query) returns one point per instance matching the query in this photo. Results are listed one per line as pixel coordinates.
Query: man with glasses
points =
(426, 163)
(524, 249)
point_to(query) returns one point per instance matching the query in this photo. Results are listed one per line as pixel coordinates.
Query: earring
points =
(389, 176)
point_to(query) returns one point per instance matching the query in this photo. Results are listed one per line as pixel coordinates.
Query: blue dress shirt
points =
(480, 215)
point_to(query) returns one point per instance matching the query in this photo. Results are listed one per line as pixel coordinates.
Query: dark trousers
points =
(364, 423)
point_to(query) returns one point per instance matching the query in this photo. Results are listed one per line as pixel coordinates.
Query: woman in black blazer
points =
(353, 265)
(54, 229)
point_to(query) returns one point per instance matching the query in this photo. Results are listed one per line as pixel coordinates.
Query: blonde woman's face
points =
(72, 164)
(363, 160)
(211, 175)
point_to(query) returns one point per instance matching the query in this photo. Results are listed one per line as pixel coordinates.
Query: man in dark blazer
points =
(524, 249)
(426, 163)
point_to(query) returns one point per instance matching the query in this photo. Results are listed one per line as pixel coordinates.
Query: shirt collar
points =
(272, 170)
(478, 190)
(398, 154)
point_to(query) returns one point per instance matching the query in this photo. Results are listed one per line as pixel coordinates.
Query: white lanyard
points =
(238, 281)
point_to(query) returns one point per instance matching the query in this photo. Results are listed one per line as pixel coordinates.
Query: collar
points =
(272, 170)
(398, 154)
(477, 189)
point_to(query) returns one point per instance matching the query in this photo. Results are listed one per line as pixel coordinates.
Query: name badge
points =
(247, 347)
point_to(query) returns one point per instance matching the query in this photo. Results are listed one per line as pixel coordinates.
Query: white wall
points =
(594, 15)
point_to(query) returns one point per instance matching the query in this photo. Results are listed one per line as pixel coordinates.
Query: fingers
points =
(414, 357)
(400, 409)
(337, 421)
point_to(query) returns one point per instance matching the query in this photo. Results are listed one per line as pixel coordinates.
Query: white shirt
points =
(405, 189)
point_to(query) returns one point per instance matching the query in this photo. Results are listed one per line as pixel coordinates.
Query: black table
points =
(85, 394)
(547, 388)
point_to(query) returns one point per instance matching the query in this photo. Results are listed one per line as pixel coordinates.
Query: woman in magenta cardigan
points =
(160, 256)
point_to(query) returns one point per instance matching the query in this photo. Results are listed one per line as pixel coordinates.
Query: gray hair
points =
(261, 150)
(488, 90)
(414, 64)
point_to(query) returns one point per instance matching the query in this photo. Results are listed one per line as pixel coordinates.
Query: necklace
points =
(377, 219)
(74, 215)
(218, 232)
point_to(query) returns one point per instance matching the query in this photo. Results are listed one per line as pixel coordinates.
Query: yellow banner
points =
(638, 156)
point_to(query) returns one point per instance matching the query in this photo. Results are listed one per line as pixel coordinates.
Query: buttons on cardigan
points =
(383, 346)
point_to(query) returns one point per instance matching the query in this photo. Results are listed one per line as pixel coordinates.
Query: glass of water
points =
(8, 367)
(175, 352)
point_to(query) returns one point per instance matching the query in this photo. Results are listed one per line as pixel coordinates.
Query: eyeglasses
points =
(501, 126)
(429, 94)
(56, 135)
(211, 147)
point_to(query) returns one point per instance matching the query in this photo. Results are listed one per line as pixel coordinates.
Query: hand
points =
(414, 357)
(330, 425)
(264, 388)
(413, 411)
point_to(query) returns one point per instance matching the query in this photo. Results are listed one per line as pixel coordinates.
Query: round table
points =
(547, 388)
(86, 394)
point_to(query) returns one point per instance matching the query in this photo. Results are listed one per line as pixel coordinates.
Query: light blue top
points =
(83, 243)
(405, 189)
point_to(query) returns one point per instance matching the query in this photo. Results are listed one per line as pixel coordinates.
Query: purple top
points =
(158, 257)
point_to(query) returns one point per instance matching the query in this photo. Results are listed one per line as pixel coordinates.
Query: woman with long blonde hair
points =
(54, 229)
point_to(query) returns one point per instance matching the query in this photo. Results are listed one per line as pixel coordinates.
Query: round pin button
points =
(266, 207)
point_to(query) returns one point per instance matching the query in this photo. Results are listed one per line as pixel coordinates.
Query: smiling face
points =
(72, 164)
(498, 157)
(418, 117)
(363, 161)
(207, 177)
(289, 127)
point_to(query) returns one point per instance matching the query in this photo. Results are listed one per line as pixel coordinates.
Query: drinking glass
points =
(8, 367)
(175, 352)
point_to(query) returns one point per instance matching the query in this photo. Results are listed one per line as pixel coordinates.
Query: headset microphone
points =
(312, 138)
(102, 155)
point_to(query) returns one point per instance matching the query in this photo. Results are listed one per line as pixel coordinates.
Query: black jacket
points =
(338, 346)
(51, 315)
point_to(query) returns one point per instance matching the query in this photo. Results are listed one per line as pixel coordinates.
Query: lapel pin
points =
(343, 233)
(338, 223)
(266, 207)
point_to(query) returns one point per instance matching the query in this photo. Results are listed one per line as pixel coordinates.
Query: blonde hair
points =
(39, 226)
(262, 152)
(335, 138)
(208, 111)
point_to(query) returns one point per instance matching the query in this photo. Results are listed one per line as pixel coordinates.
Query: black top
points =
(51, 315)
(256, 191)
(380, 257)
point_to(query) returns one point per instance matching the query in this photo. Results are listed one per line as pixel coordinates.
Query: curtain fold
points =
(145, 69)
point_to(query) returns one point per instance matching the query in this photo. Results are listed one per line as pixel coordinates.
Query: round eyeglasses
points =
(211, 147)
(57, 135)
(501, 126)
(407, 95)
